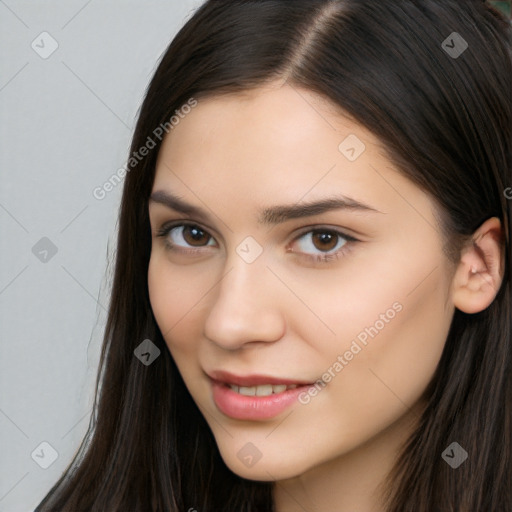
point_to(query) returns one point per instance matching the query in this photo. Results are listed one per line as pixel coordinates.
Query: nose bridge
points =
(244, 308)
(241, 282)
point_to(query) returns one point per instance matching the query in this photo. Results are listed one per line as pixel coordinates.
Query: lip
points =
(252, 380)
(252, 408)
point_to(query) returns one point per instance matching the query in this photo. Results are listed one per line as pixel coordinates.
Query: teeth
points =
(263, 390)
(247, 391)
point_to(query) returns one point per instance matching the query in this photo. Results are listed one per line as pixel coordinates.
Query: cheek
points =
(391, 324)
(396, 354)
(175, 297)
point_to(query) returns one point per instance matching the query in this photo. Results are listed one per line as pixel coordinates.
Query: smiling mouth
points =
(254, 397)
(259, 402)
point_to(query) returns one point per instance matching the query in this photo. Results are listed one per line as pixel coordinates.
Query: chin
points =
(263, 470)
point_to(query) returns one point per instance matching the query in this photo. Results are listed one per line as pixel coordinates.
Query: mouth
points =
(253, 380)
(261, 390)
(254, 397)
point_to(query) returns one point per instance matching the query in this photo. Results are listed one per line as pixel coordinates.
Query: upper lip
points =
(252, 380)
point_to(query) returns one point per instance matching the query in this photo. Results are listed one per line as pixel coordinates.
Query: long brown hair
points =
(446, 123)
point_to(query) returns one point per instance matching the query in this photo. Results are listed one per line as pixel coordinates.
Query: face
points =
(295, 255)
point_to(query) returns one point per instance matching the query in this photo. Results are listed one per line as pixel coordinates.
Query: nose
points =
(245, 308)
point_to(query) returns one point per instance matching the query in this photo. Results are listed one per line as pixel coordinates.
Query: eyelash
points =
(318, 258)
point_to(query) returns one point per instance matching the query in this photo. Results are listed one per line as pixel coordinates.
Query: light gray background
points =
(65, 128)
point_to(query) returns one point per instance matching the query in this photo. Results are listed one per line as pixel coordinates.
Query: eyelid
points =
(325, 227)
(167, 226)
(165, 229)
(324, 257)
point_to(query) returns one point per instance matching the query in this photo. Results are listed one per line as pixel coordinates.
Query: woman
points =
(311, 303)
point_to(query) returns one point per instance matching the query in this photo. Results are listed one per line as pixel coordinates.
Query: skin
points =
(288, 316)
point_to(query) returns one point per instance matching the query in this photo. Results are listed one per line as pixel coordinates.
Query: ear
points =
(479, 274)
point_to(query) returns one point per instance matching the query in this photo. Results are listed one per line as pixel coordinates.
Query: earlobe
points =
(479, 273)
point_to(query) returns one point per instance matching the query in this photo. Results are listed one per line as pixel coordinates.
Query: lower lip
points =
(243, 407)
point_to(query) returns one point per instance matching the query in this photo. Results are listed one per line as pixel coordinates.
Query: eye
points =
(322, 244)
(325, 241)
(319, 245)
(185, 236)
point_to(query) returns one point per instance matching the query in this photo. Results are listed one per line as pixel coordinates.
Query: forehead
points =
(282, 123)
(279, 143)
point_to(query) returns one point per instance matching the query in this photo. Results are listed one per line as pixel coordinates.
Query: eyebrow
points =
(273, 214)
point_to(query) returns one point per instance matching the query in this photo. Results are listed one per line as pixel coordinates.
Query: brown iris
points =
(324, 240)
(195, 236)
